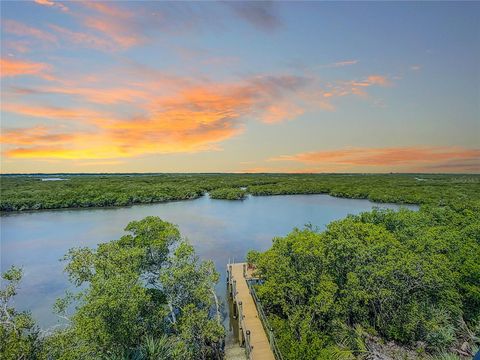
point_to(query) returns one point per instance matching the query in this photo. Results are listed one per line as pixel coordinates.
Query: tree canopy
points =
(144, 296)
(405, 276)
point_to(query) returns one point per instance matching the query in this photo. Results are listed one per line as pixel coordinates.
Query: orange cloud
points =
(98, 95)
(147, 112)
(14, 67)
(116, 143)
(289, 170)
(20, 29)
(418, 157)
(53, 112)
(37, 134)
(380, 80)
(194, 118)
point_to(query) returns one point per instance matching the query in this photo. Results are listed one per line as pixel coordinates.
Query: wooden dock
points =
(251, 331)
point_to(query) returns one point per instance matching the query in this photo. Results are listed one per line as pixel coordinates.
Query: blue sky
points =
(240, 86)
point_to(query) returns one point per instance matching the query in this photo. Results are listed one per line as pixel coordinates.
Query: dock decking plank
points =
(258, 339)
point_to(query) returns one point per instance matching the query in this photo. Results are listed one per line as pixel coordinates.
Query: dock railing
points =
(263, 318)
(245, 331)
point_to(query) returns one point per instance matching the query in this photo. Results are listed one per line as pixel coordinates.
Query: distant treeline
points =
(20, 193)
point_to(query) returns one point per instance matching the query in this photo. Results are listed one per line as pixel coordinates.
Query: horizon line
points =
(236, 173)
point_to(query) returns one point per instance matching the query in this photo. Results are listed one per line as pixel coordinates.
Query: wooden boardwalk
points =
(251, 333)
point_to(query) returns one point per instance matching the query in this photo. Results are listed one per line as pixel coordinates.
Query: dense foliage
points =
(228, 194)
(31, 193)
(18, 333)
(144, 296)
(412, 277)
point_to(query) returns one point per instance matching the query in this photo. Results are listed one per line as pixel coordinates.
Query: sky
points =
(141, 86)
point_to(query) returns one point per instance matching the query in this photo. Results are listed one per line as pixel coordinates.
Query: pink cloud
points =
(82, 38)
(20, 29)
(115, 30)
(281, 111)
(52, 4)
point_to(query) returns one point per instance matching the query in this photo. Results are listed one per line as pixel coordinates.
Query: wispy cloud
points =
(16, 46)
(116, 31)
(281, 111)
(82, 38)
(42, 134)
(419, 158)
(23, 30)
(345, 63)
(165, 113)
(195, 118)
(113, 27)
(14, 67)
(104, 26)
(378, 80)
(339, 64)
(99, 95)
(99, 163)
(372, 80)
(53, 112)
(50, 3)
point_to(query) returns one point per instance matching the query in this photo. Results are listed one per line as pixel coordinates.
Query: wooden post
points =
(247, 344)
(245, 271)
(240, 311)
(270, 337)
(241, 338)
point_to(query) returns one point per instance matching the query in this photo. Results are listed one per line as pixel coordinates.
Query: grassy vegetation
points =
(30, 193)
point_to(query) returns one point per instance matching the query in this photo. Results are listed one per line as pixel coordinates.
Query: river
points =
(220, 230)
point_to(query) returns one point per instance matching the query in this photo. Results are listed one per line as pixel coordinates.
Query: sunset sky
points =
(240, 87)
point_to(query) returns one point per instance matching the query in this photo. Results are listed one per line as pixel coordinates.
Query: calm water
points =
(219, 230)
